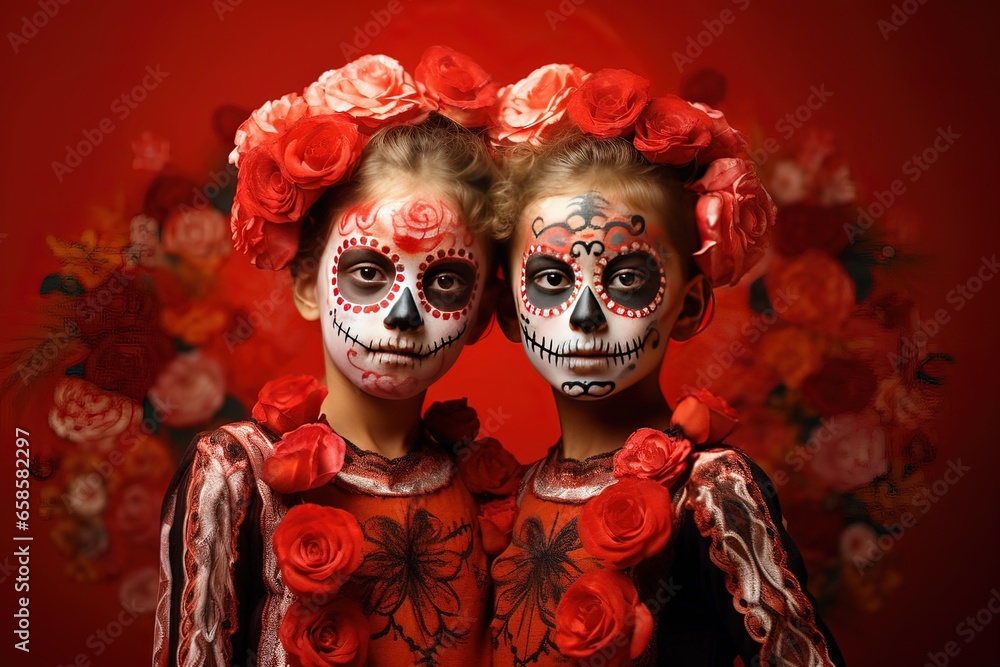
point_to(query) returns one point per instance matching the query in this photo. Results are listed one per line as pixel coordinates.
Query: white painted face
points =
(402, 281)
(595, 292)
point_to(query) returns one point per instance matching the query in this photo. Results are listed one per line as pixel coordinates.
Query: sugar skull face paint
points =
(593, 289)
(402, 283)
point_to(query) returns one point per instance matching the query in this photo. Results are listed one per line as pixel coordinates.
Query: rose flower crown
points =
(292, 149)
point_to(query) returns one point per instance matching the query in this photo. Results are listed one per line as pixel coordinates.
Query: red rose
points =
(607, 104)
(840, 385)
(672, 131)
(601, 613)
(496, 519)
(804, 226)
(372, 88)
(420, 225)
(318, 548)
(627, 522)
(452, 423)
(734, 215)
(726, 142)
(486, 467)
(266, 123)
(460, 89)
(704, 417)
(817, 291)
(123, 301)
(332, 634)
(128, 361)
(85, 414)
(532, 109)
(306, 458)
(654, 455)
(318, 151)
(269, 245)
(289, 402)
(263, 191)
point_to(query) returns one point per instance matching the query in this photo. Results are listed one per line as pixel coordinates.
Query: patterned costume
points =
(423, 582)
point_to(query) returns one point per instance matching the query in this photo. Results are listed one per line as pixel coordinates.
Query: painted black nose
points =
(404, 314)
(587, 315)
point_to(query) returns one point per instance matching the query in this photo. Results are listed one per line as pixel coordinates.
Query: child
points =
(333, 528)
(613, 248)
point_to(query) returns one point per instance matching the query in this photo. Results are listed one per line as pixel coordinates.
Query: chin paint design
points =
(594, 277)
(401, 281)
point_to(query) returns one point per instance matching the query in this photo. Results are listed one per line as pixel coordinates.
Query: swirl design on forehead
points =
(592, 221)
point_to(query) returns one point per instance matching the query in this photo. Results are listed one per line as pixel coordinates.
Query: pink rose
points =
(84, 413)
(654, 455)
(705, 417)
(373, 88)
(189, 391)
(532, 109)
(851, 451)
(734, 215)
(266, 123)
(197, 234)
(458, 88)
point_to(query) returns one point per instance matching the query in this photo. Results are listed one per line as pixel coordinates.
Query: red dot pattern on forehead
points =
(617, 308)
(577, 281)
(373, 244)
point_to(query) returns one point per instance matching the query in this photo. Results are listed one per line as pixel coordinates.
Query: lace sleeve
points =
(759, 575)
(199, 608)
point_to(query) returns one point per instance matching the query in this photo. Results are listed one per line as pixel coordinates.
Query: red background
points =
(889, 98)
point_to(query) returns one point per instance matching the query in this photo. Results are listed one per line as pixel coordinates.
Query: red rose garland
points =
(601, 613)
(289, 402)
(734, 213)
(456, 86)
(627, 522)
(305, 458)
(318, 548)
(654, 455)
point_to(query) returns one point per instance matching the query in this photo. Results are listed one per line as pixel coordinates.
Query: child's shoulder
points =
(234, 443)
(726, 469)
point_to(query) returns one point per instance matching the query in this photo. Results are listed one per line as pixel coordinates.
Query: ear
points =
(507, 314)
(305, 294)
(695, 302)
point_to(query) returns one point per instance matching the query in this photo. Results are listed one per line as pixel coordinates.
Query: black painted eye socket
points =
(364, 276)
(449, 285)
(632, 279)
(548, 281)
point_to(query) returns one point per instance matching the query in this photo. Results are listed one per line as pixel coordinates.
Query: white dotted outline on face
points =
(577, 281)
(617, 308)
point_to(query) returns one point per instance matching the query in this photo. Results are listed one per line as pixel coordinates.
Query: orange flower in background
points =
(793, 353)
(305, 458)
(627, 522)
(486, 467)
(288, 402)
(601, 613)
(814, 290)
(92, 259)
(318, 548)
(197, 323)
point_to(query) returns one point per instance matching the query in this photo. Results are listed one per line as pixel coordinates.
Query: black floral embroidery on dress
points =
(530, 583)
(407, 581)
